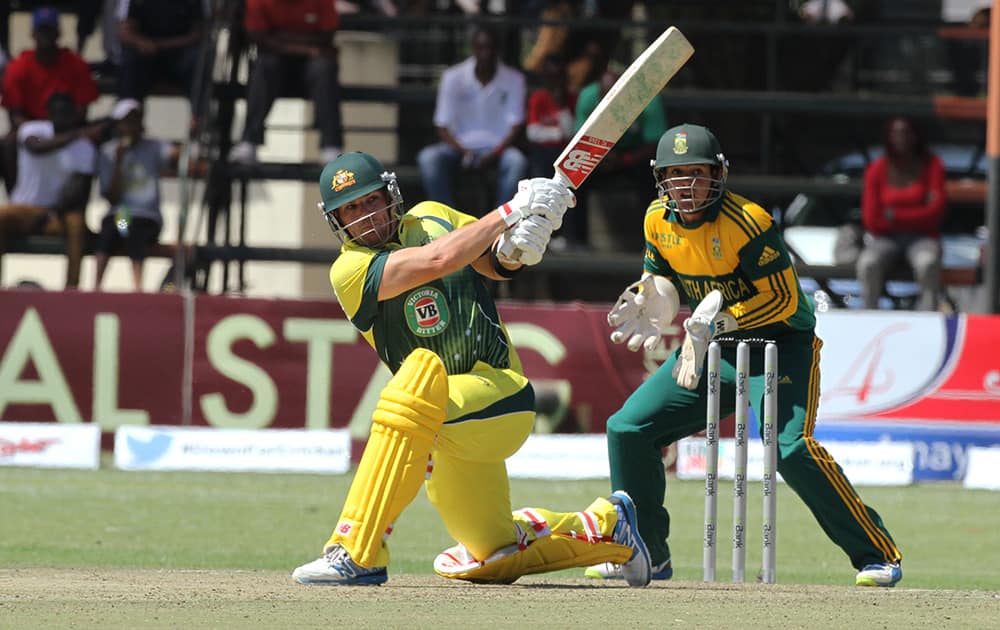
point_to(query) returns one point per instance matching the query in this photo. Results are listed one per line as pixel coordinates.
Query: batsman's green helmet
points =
(349, 177)
(688, 144)
(352, 176)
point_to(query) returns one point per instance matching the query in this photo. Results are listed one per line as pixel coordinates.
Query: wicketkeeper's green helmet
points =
(685, 145)
(350, 177)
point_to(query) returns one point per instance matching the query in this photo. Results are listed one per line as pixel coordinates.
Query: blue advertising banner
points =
(940, 450)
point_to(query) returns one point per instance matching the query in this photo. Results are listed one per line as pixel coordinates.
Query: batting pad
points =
(408, 415)
(547, 541)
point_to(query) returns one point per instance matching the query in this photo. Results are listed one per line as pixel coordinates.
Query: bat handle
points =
(562, 179)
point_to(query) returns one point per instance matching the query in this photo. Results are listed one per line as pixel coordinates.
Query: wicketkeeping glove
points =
(699, 330)
(643, 311)
(530, 237)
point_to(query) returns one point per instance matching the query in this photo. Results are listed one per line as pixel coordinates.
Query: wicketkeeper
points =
(458, 404)
(724, 256)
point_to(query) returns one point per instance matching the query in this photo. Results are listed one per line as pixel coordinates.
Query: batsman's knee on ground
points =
(473, 501)
(491, 414)
(547, 541)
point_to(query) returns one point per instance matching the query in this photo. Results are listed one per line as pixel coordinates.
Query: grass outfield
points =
(109, 548)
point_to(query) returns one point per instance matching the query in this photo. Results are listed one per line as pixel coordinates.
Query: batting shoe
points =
(638, 570)
(612, 571)
(336, 567)
(879, 574)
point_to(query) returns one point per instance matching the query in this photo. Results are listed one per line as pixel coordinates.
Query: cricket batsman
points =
(458, 404)
(723, 255)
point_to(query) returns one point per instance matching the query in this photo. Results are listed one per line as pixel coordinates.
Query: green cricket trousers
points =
(660, 412)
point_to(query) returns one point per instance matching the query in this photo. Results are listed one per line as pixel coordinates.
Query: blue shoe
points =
(663, 571)
(337, 567)
(879, 574)
(638, 570)
(611, 571)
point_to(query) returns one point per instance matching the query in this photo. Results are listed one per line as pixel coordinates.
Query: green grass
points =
(111, 518)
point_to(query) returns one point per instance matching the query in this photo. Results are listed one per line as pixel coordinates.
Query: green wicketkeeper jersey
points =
(737, 249)
(454, 316)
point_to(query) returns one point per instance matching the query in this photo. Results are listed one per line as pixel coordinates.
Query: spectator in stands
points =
(902, 207)
(56, 158)
(129, 167)
(628, 160)
(34, 76)
(295, 47)
(981, 16)
(551, 38)
(967, 55)
(479, 116)
(587, 64)
(551, 121)
(160, 40)
(87, 14)
(590, 49)
(110, 40)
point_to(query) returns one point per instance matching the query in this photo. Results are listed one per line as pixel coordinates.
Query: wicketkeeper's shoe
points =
(612, 571)
(879, 574)
(336, 567)
(637, 571)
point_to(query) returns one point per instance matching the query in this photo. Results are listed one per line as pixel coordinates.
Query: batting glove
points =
(529, 238)
(538, 196)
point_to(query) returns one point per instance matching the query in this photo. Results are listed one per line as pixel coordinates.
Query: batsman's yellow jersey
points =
(454, 316)
(735, 248)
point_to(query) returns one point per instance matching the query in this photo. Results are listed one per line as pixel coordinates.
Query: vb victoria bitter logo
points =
(426, 312)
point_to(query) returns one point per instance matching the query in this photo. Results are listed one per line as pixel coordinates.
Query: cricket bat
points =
(631, 93)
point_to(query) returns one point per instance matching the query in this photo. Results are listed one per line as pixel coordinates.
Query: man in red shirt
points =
(34, 76)
(294, 40)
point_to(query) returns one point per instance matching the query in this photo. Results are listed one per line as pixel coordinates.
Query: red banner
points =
(91, 357)
(116, 359)
(967, 386)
